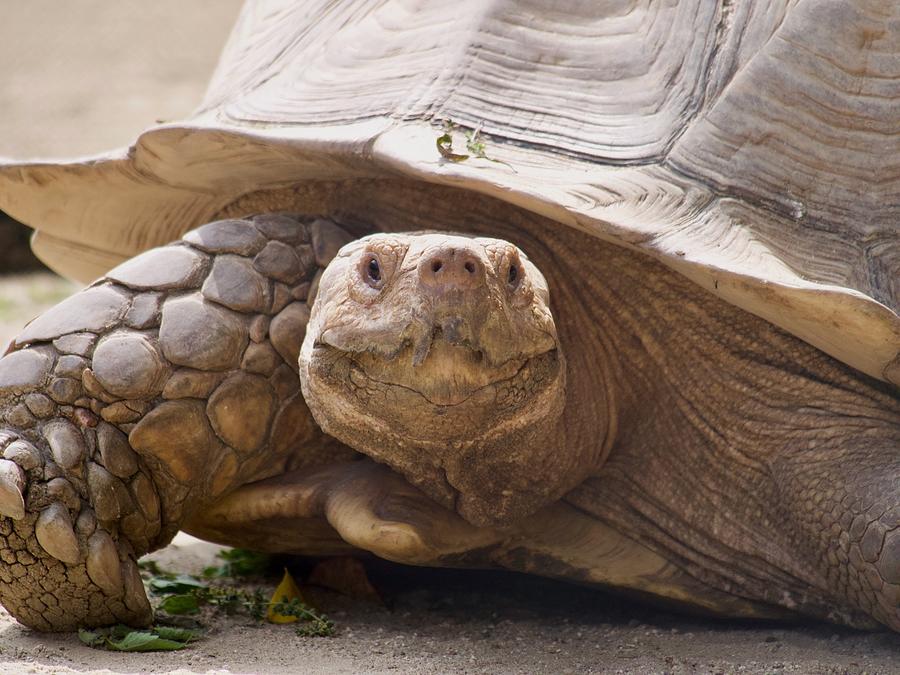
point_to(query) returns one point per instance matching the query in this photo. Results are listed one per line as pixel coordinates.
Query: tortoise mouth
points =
(449, 376)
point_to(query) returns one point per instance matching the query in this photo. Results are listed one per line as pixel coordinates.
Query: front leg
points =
(342, 508)
(158, 389)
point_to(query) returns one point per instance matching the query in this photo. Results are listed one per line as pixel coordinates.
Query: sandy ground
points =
(85, 76)
(438, 621)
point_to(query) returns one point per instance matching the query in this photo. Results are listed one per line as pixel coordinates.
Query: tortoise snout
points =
(451, 268)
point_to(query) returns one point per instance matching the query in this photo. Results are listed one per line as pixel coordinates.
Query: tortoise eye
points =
(512, 277)
(373, 271)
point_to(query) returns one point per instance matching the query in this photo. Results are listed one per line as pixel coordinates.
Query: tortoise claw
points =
(12, 485)
(135, 597)
(103, 565)
(56, 535)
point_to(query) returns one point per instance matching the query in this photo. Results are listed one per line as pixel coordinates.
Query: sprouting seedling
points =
(474, 144)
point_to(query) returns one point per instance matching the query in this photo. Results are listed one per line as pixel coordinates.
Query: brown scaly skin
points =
(752, 460)
(133, 403)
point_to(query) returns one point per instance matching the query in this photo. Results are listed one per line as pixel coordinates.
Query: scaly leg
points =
(163, 386)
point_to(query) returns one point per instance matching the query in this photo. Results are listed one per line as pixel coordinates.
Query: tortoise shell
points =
(752, 147)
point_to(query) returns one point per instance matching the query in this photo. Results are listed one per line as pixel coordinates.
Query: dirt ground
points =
(82, 77)
(472, 622)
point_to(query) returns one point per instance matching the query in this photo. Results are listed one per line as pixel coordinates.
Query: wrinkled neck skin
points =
(438, 355)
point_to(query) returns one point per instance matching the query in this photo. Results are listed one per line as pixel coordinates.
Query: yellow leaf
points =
(287, 590)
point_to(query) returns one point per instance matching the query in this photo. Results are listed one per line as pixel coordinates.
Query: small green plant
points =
(313, 624)
(474, 144)
(187, 595)
(240, 562)
(182, 595)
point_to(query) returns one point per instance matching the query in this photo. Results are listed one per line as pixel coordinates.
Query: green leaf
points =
(183, 583)
(189, 581)
(474, 144)
(91, 638)
(124, 639)
(150, 566)
(178, 621)
(117, 632)
(178, 634)
(158, 645)
(140, 641)
(180, 604)
(134, 641)
(240, 562)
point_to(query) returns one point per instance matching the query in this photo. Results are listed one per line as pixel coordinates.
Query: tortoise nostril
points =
(451, 268)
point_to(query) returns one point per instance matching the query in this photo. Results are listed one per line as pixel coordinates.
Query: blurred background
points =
(82, 77)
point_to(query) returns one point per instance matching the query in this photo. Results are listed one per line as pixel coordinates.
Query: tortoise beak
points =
(454, 330)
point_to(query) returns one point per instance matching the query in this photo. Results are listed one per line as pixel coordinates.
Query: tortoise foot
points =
(341, 508)
(64, 563)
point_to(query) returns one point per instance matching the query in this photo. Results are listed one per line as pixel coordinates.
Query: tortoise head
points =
(438, 355)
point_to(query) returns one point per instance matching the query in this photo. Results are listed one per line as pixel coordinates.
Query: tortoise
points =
(641, 333)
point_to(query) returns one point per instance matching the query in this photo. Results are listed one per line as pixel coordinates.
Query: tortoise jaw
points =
(464, 435)
(448, 376)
